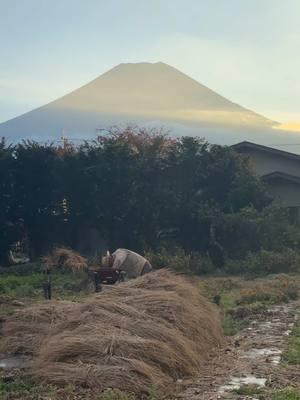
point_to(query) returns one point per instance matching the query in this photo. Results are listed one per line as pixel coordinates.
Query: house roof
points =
(281, 175)
(254, 146)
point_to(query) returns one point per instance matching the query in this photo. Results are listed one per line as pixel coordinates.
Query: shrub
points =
(266, 262)
(179, 261)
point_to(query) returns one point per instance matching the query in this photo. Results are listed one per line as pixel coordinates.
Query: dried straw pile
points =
(144, 333)
(65, 259)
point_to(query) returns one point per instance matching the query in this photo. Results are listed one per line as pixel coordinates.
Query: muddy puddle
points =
(14, 362)
(273, 355)
(237, 382)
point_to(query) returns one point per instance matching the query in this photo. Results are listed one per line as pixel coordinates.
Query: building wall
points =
(265, 163)
(286, 192)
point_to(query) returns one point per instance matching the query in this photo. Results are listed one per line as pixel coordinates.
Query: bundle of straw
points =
(144, 333)
(65, 259)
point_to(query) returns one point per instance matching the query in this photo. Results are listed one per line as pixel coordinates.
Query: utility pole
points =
(64, 139)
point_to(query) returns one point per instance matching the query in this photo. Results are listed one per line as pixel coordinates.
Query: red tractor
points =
(110, 276)
(107, 276)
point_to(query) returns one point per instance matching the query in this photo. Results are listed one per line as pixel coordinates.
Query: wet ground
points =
(252, 358)
(14, 362)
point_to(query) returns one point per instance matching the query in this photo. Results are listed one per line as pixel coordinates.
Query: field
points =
(253, 312)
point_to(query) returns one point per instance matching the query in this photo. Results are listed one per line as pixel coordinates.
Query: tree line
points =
(139, 189)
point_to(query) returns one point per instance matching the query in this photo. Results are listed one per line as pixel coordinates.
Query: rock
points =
(8, 378)
(17, 303)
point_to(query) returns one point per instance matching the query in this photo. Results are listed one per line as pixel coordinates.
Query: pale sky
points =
(246, 50)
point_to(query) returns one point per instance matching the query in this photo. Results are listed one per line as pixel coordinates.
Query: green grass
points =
(26, 283)
(231, 326)
(227, 301)
(293, 353)
(248, 390)
(15, 386)
(263, 393)
(286, 394)
(20, 387)
(116, 394)
(21, 286)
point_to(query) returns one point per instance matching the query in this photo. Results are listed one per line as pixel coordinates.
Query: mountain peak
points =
(138, 92)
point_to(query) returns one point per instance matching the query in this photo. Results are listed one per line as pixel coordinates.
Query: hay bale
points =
(144, 333)
(65, 259)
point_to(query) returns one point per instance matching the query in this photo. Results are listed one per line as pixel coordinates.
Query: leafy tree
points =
(37, 196)
(140, 189)
(9, 225)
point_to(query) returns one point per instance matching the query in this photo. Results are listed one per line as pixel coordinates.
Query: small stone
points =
(8, 378)
(17, 303)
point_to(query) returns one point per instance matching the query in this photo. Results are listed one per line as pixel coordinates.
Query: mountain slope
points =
(134, 93)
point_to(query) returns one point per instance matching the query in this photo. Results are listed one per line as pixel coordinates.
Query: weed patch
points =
(293, 352)
(231, 325)
(286, 394)
(248, 390)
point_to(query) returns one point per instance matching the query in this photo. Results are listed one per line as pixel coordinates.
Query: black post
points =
(47, 288)
(97, 282)
(49, 291)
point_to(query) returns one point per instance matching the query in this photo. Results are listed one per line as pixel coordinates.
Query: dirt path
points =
(252, 357)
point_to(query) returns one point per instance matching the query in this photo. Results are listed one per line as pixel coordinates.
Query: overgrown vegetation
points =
(242, 300)
(266, 262)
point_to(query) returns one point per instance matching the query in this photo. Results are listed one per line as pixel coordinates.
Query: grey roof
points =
(254, 146)
(281, 175)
